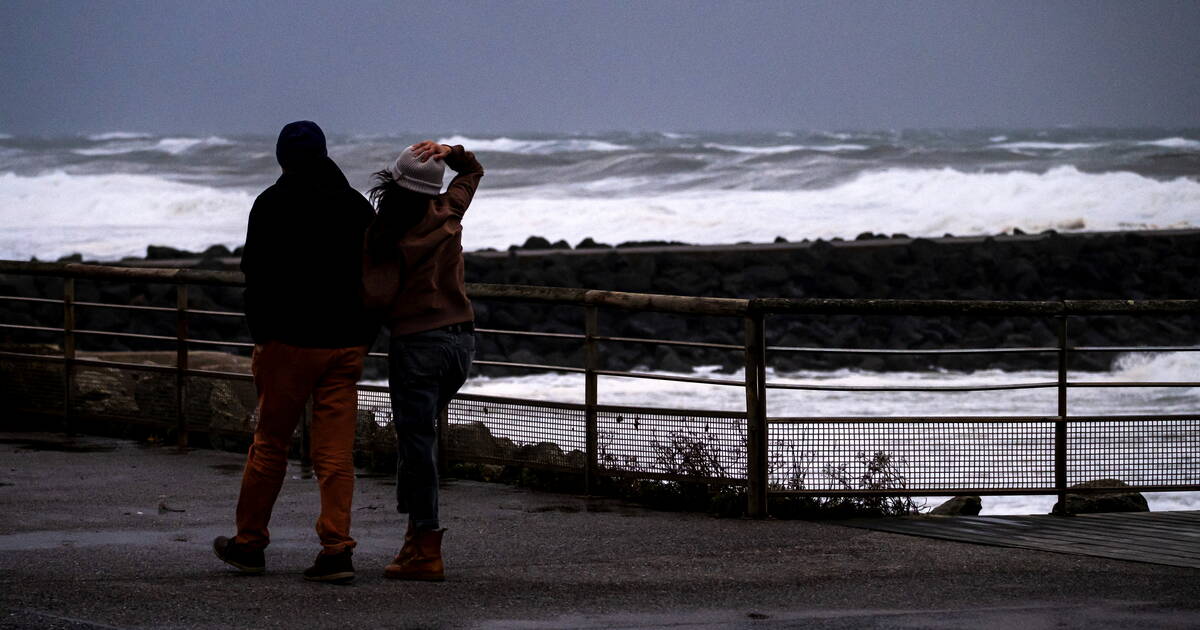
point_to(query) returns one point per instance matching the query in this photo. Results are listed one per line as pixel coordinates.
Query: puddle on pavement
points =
(62, 446)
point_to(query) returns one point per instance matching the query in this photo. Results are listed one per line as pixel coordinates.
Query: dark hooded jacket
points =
(303, 252)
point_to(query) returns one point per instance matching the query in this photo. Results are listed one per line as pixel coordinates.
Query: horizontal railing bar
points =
(501, 400)
(685, 413)
(528, 333)
(1133, 384)
(126, 307)
(811, 306)
(35, 328)
(530, 366)
(109, 333)
(913, 351)
(936, 492)
(909, 388)
(240, 376)
(210, 342)
(104, 363)
(670, 342)
(132, 274)
(657, 302)
(219, 313)
(1135, 349)
(786, 420)
(55, 358)
(21, 298)
(665, 377)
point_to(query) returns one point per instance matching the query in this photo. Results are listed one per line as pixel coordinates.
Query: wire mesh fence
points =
(91, 366)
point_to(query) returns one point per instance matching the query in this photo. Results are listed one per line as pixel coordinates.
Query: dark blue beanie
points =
(300, 144)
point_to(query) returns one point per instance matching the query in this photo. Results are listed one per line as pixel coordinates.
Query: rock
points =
(536, 242)
(542, 453)
(217, 251)
(160, 252)
(959, 506)
(473, 438)
(589, 243)
(1091, 503)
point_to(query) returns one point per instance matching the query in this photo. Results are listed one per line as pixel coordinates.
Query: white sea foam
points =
(1046, 146)
(785, 148)
(54, 214)
(170, 146)
(536, 147)
(915, 202)
(1173, 143)
(110, 216)
(117, 135)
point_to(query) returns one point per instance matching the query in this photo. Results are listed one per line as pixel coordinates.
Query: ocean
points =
(109, 196)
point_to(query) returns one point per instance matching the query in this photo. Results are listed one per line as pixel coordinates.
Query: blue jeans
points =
(425, 370)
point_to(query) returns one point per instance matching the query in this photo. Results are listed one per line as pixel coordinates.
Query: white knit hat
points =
(423, 177)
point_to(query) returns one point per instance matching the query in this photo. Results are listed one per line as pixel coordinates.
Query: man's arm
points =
(251, 265)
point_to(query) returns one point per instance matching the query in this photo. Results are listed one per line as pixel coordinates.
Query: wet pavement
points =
(104, 533)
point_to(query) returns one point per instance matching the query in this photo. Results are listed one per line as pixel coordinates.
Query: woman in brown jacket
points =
(413, 277)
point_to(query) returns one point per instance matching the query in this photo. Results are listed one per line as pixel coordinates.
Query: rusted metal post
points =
(181, 364)
(1060, 426)
(756, 416)
(68, 352)
(591, 364)
(306, 471)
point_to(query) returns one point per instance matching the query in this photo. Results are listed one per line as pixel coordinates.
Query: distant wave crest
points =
(1173, 143)
(170, 146)
(537, 147)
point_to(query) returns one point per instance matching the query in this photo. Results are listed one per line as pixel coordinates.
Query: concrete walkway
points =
(100, 533)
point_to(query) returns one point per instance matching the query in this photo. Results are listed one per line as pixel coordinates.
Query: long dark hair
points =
(398, 211)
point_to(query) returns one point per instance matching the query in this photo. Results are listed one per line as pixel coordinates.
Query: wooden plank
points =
(1166, 538)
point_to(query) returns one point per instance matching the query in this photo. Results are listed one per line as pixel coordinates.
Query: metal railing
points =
(770, 456)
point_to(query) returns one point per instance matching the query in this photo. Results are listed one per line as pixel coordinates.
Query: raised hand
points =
(427, 149)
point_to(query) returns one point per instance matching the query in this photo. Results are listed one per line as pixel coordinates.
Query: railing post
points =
(68, 352)
(181, 364)
(756, 416)
(1060, 426)
(591, 364)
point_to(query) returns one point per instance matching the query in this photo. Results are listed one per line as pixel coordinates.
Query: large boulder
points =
(1118, 500)
(959, 506)
(471, 438)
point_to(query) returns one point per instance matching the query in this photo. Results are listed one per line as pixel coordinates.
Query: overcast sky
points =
(205, 66)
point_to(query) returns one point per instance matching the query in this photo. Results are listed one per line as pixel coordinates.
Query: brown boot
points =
(420, 558)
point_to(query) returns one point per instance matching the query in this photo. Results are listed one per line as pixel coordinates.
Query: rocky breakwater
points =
(1050, 266)
(1127, 265)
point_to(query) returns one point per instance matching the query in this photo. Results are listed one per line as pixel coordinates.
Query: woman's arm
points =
(463, 163)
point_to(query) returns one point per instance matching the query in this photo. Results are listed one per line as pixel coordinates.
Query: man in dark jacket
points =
(302, 261)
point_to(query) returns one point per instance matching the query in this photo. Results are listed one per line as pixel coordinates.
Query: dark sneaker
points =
(335, 568)
(246, 560)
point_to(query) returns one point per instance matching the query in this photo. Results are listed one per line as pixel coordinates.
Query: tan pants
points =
(285, 376)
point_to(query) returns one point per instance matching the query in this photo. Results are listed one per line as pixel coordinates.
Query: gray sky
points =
(377, 67)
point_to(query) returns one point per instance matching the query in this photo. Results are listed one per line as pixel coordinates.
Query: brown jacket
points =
(425, 289)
